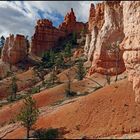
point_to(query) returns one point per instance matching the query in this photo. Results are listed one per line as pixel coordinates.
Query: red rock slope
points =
(110, 110)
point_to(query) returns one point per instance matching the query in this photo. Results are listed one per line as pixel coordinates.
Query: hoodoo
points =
(102, 42)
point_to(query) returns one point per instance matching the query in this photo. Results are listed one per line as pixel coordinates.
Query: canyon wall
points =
(46, 36)
(106, 34)
(70, 25)
(96, 19)
(131, 43)
(96, 16)
(15, 49)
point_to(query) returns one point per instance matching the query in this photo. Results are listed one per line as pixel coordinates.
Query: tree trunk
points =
(28, 132)
(14, 95)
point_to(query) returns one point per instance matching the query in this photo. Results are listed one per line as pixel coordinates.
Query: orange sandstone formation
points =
(131, 43)
(103, 39)
(46, 36)
(96, 16)
(15, 49)
(70, 24)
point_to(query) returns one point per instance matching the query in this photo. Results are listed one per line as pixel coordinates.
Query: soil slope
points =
(108, 111)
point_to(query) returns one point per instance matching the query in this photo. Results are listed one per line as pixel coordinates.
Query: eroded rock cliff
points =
(96, 16)
(15, 49)
(103, 52)
(70, 24)
(131, 43)
(96, 19)
(46, 36)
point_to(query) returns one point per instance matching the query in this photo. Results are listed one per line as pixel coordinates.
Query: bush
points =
(35, 90)
(51, 133)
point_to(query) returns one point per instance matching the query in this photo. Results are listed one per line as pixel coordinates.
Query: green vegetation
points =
(81, 72)
(29, 114)
(35, 90)
(59, 61)
(68, 91)
(51, 133)
(74, 38)
(55, 56)
(52, 77)
(13, 88)
(40, 72)
(68, 52)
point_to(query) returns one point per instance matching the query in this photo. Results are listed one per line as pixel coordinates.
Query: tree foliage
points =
(68, 51)
(13, 88)
(80, 70)
(74, 38)
(29, 113)
(51, 133)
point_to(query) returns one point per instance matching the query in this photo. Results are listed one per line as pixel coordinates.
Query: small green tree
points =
(68, 89)
(13, 88)
(40, 72)
(59, 62)
(68, 51)
(52, 57)
(80, 70)
(29, 114)
(74, 38)
(53, 77)
(48, 59)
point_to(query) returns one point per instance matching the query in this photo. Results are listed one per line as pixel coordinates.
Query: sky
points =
(19, 17)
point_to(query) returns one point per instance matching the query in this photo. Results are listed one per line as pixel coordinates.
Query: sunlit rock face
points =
(131, 43)
(110, 34)
(96, 18)
(46, 36)
(15, 49)
(70, 25)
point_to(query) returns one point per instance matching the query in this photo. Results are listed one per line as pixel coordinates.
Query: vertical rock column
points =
(131, 43)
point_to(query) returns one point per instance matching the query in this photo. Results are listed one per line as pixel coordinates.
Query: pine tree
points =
(80, 70)
(68, 51)
(53, 77)
(13, 88)
(40, 72)
(74, 38)
(59, 62)
(29, 114)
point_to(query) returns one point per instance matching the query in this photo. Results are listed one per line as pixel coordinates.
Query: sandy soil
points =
(108, 111)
